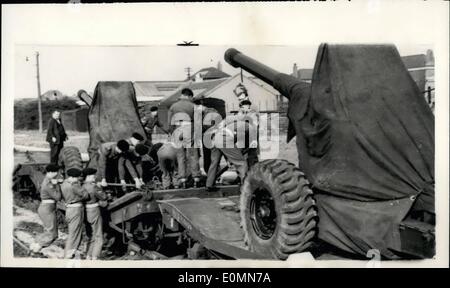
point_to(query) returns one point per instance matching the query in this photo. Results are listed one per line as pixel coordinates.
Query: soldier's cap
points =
(123, 145)
(74, 172)
(51, 168)
(137, 136)
(198, 101)
(153, 108)
(141, 149)
(245, 102)
(89, 171)
(187, 92)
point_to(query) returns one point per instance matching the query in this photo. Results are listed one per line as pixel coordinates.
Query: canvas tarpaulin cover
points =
(365, 138)
(113, 115)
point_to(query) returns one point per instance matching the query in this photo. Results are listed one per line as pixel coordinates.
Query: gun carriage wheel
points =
(278, 211)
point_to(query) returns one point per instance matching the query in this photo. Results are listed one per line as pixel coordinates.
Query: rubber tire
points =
(70, 157)
(294, 206)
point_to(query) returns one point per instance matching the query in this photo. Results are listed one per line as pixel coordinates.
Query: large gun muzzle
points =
(280, 81)
(239, 60)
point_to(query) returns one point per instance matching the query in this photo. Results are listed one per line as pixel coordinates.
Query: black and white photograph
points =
(125, 152)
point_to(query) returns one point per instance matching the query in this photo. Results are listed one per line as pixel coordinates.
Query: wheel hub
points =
(262, 213)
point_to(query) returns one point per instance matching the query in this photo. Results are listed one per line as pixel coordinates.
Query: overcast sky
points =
(71, 68)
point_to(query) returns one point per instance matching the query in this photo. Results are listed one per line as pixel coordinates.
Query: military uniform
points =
(181, 115)
(168, 163)
(228, 142)
(149, 125)
(133, 159)
(210, 117)
(183, 105)
(252, 152)
(50, 194)
(73, 195)
(94, 218)
(133, 163)
(108, 156)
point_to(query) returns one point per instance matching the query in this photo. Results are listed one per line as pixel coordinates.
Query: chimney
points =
(219, 66)
(295, 71)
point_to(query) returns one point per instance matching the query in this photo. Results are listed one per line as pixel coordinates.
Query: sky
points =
(71, 68)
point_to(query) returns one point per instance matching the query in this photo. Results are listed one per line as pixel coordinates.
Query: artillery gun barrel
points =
(239, 60)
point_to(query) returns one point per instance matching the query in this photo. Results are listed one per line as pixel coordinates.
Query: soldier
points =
(73, 195)
(231, 138)
(50, 193)
(133, 162)
(246, 113)
(97, 199)
(110, 155)
(56, 135)
(135, 139)
(209, 117)
(151, 122)
(130, 158)
(181, 117)
(167, 157)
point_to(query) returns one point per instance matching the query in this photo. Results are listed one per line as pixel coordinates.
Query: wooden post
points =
(39, 92)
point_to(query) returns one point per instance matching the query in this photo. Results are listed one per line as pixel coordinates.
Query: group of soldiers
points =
(82, 198)
(178, 160)
(234, 137)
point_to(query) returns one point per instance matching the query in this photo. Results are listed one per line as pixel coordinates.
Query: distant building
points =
(199, 89)
(420, 67)
(52, 95)
(302, 74)
(262, 98)
(151, 91)
(155, 91)
(209, 73)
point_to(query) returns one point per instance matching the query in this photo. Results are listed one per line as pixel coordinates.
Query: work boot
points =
(182, 183)
(196, 182)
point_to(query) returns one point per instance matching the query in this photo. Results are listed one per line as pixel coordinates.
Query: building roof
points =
(199, 89)
(155, 90)
(210, 73)
(414, 61)
(229, 79)
(264, 85)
